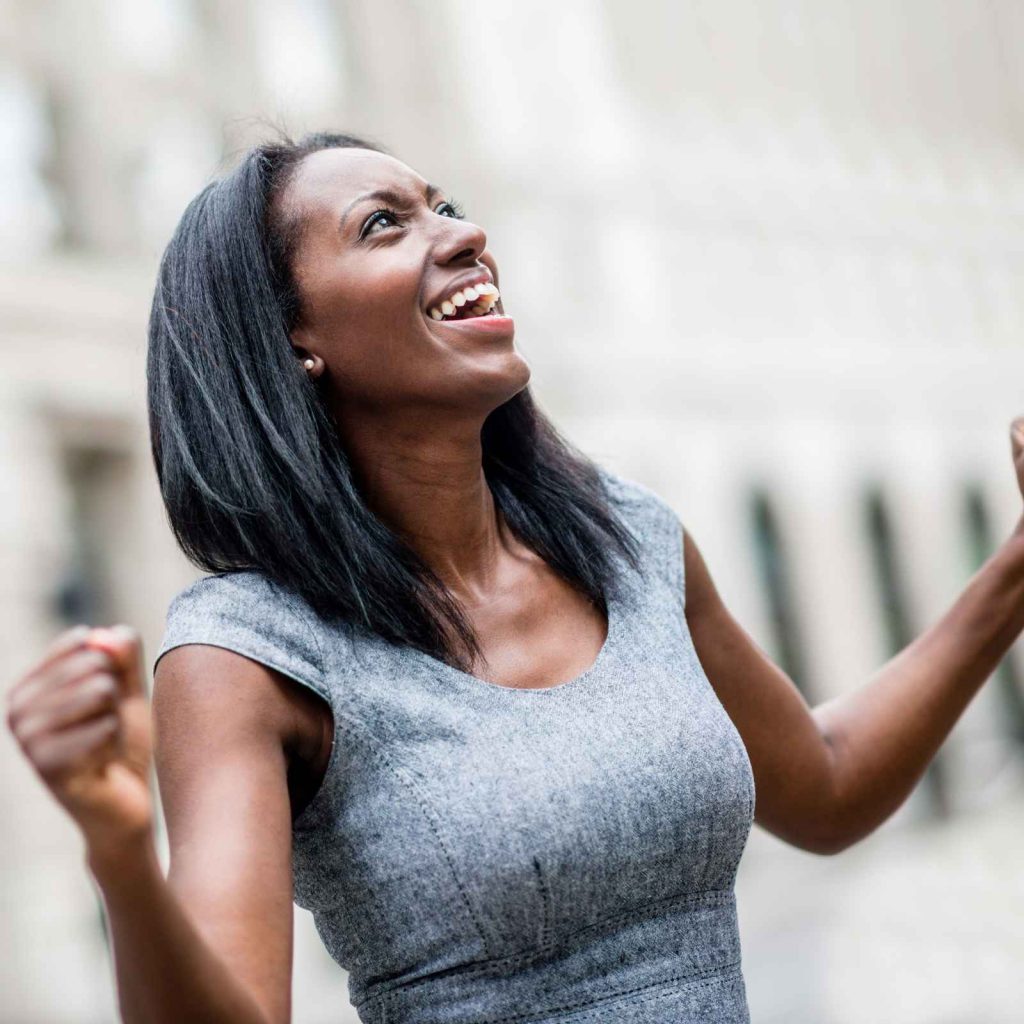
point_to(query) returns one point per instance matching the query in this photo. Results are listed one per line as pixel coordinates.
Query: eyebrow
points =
(387, 195)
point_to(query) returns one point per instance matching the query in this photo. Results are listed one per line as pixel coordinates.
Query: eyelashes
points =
(452, 203)
(456, 206)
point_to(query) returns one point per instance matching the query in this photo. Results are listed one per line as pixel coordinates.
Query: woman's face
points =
(368, 278)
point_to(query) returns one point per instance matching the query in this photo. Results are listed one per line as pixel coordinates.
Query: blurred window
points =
(95, 479)
(894, 606)
(980, 546)
(774, 573)
(29, 221)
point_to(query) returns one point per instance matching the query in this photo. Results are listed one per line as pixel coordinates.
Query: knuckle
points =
(105, 685)
(19, 720)
(106, 733)
(42, 753)
(16, 695)
(99, 660)
(105, 698)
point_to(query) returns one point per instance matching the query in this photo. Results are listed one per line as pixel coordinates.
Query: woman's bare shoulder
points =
(222, 727)
(194, 683)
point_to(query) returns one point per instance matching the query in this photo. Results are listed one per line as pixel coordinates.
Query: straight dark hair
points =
(251, 468)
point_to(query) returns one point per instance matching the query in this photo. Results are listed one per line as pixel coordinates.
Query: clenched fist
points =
(1017, 450)
(81, 717)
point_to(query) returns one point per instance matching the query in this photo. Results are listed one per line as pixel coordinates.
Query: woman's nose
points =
(461, 240)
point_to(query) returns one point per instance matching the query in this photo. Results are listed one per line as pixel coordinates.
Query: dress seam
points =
(694, 980)
(375, 751)
(704, 898)
(545, 902)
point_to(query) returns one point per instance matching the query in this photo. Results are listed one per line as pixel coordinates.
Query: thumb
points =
(124, 645)
(1017, 433)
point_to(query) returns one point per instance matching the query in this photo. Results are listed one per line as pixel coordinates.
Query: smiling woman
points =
(289, 260)
(492, 813)
(437, 687)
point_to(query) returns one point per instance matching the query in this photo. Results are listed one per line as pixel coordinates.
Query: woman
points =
(471, 699)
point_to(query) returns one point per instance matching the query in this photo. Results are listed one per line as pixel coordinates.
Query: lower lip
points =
(493, 324)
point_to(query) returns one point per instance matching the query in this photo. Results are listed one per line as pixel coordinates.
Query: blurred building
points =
(765, 257)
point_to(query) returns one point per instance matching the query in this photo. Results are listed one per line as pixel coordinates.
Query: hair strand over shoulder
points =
(252, 471)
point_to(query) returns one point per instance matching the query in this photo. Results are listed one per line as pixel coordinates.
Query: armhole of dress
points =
(312, 815)
(263, 639)
(665, 531)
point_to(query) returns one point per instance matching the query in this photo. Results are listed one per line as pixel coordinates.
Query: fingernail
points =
(103, 639)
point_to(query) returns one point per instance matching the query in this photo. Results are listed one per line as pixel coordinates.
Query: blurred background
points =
(764, 256)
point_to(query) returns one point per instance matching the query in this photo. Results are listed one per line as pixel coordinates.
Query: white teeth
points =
(483, 297)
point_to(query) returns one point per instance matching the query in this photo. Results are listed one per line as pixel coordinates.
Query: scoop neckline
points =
(485, 686)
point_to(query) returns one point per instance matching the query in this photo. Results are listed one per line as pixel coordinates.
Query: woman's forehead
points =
(340, 174)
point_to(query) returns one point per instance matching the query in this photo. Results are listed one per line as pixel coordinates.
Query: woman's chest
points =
(514, 823)
(539, 638)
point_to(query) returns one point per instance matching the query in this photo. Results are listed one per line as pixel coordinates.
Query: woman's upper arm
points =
(789, 753)
(221, 722)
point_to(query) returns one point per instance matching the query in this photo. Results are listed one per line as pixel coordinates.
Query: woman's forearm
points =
(885, 733)
(166, 972)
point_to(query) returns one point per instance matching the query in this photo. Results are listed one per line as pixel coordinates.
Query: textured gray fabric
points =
(479, 853)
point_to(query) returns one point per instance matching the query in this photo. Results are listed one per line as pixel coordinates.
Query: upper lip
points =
(460, 284)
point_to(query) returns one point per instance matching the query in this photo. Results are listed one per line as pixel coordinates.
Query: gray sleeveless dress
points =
(479, 854)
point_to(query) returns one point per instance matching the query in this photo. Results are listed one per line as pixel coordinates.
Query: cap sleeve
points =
(656, 523)
(247, 613)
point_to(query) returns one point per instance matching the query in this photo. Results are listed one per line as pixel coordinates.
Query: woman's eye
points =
(375, 219)
(456, 210)
(382, 216)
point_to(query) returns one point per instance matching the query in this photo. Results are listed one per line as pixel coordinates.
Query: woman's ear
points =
(310, 362)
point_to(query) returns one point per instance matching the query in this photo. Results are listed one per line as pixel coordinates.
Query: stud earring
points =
(309, 364)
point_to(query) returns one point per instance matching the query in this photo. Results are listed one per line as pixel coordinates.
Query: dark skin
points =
(410, 396)
(240, 749)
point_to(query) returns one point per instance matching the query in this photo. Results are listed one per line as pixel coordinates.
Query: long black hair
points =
(251, 467)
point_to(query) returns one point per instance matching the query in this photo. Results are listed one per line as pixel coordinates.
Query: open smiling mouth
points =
(480, 300)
